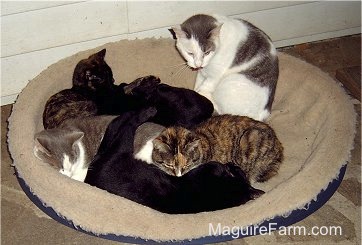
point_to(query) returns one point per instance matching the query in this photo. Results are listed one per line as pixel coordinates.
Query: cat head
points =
(198, 39)
(93, 73)
(61, 149)
(176, 151)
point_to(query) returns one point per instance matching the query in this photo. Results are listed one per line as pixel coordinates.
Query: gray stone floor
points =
(23, 223)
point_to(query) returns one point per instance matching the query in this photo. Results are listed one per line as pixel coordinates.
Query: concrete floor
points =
(23, 223)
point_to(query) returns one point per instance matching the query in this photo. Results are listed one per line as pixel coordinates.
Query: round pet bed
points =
(312, 116)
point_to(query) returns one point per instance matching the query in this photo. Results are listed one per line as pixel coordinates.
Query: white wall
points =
(37, 34)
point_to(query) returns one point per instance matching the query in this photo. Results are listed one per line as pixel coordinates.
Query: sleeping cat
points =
(71, 147)
(90, 76)
(210, 187)
(250, 144)
(237, 63)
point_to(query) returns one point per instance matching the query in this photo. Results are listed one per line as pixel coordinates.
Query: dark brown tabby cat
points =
(252, 145)
(90, 77)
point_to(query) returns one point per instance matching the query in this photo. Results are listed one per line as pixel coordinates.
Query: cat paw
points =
(145, 84)
(208, 96)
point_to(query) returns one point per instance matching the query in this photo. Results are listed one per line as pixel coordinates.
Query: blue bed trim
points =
(279, 221)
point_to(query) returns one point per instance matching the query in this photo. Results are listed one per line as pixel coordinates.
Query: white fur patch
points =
(67, 166)
(178, 173)
(191, 51)
(232, 33)
(145, 154)
(273, 50)
(244, 66)
(76, 170)
(244, 97)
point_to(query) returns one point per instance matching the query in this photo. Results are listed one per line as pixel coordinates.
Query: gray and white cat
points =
(237, 63)
(71, 147)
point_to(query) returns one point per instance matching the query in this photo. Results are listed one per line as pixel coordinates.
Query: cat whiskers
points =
(177, 65)
(179, 72)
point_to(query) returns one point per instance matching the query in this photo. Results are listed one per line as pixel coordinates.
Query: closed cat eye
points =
(195, 158)
(159, 161)
(186, 167)
(191, 54)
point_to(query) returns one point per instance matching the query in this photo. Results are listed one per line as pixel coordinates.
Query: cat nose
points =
(198, 64)
(178, 172)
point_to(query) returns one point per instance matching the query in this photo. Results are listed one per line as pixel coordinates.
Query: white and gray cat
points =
(237, 63)
(71, 147)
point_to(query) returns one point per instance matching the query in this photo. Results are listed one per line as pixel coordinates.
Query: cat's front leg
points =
(199, 81)
(208, 86)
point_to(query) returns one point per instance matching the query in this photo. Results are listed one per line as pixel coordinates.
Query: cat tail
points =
(255, 193)
(237, 172)
(120, 132)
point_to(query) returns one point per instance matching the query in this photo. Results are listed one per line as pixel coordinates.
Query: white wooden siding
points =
(166, 14)
(14, 7)
(37, 34)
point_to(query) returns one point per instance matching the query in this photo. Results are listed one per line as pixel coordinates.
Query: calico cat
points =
(90, 77)
(210, 187)
(71, 147)
(237, 63)
(175, 106)
(250, 144)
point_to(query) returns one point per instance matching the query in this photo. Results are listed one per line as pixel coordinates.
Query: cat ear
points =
(178, 32)
(74, 136)
(41, 145)
(98, 56)
(101, 54)
(160, 145)
(214, 33)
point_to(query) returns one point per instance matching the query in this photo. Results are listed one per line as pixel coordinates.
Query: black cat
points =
(211, 186)
(94, 93)
(175, 106)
